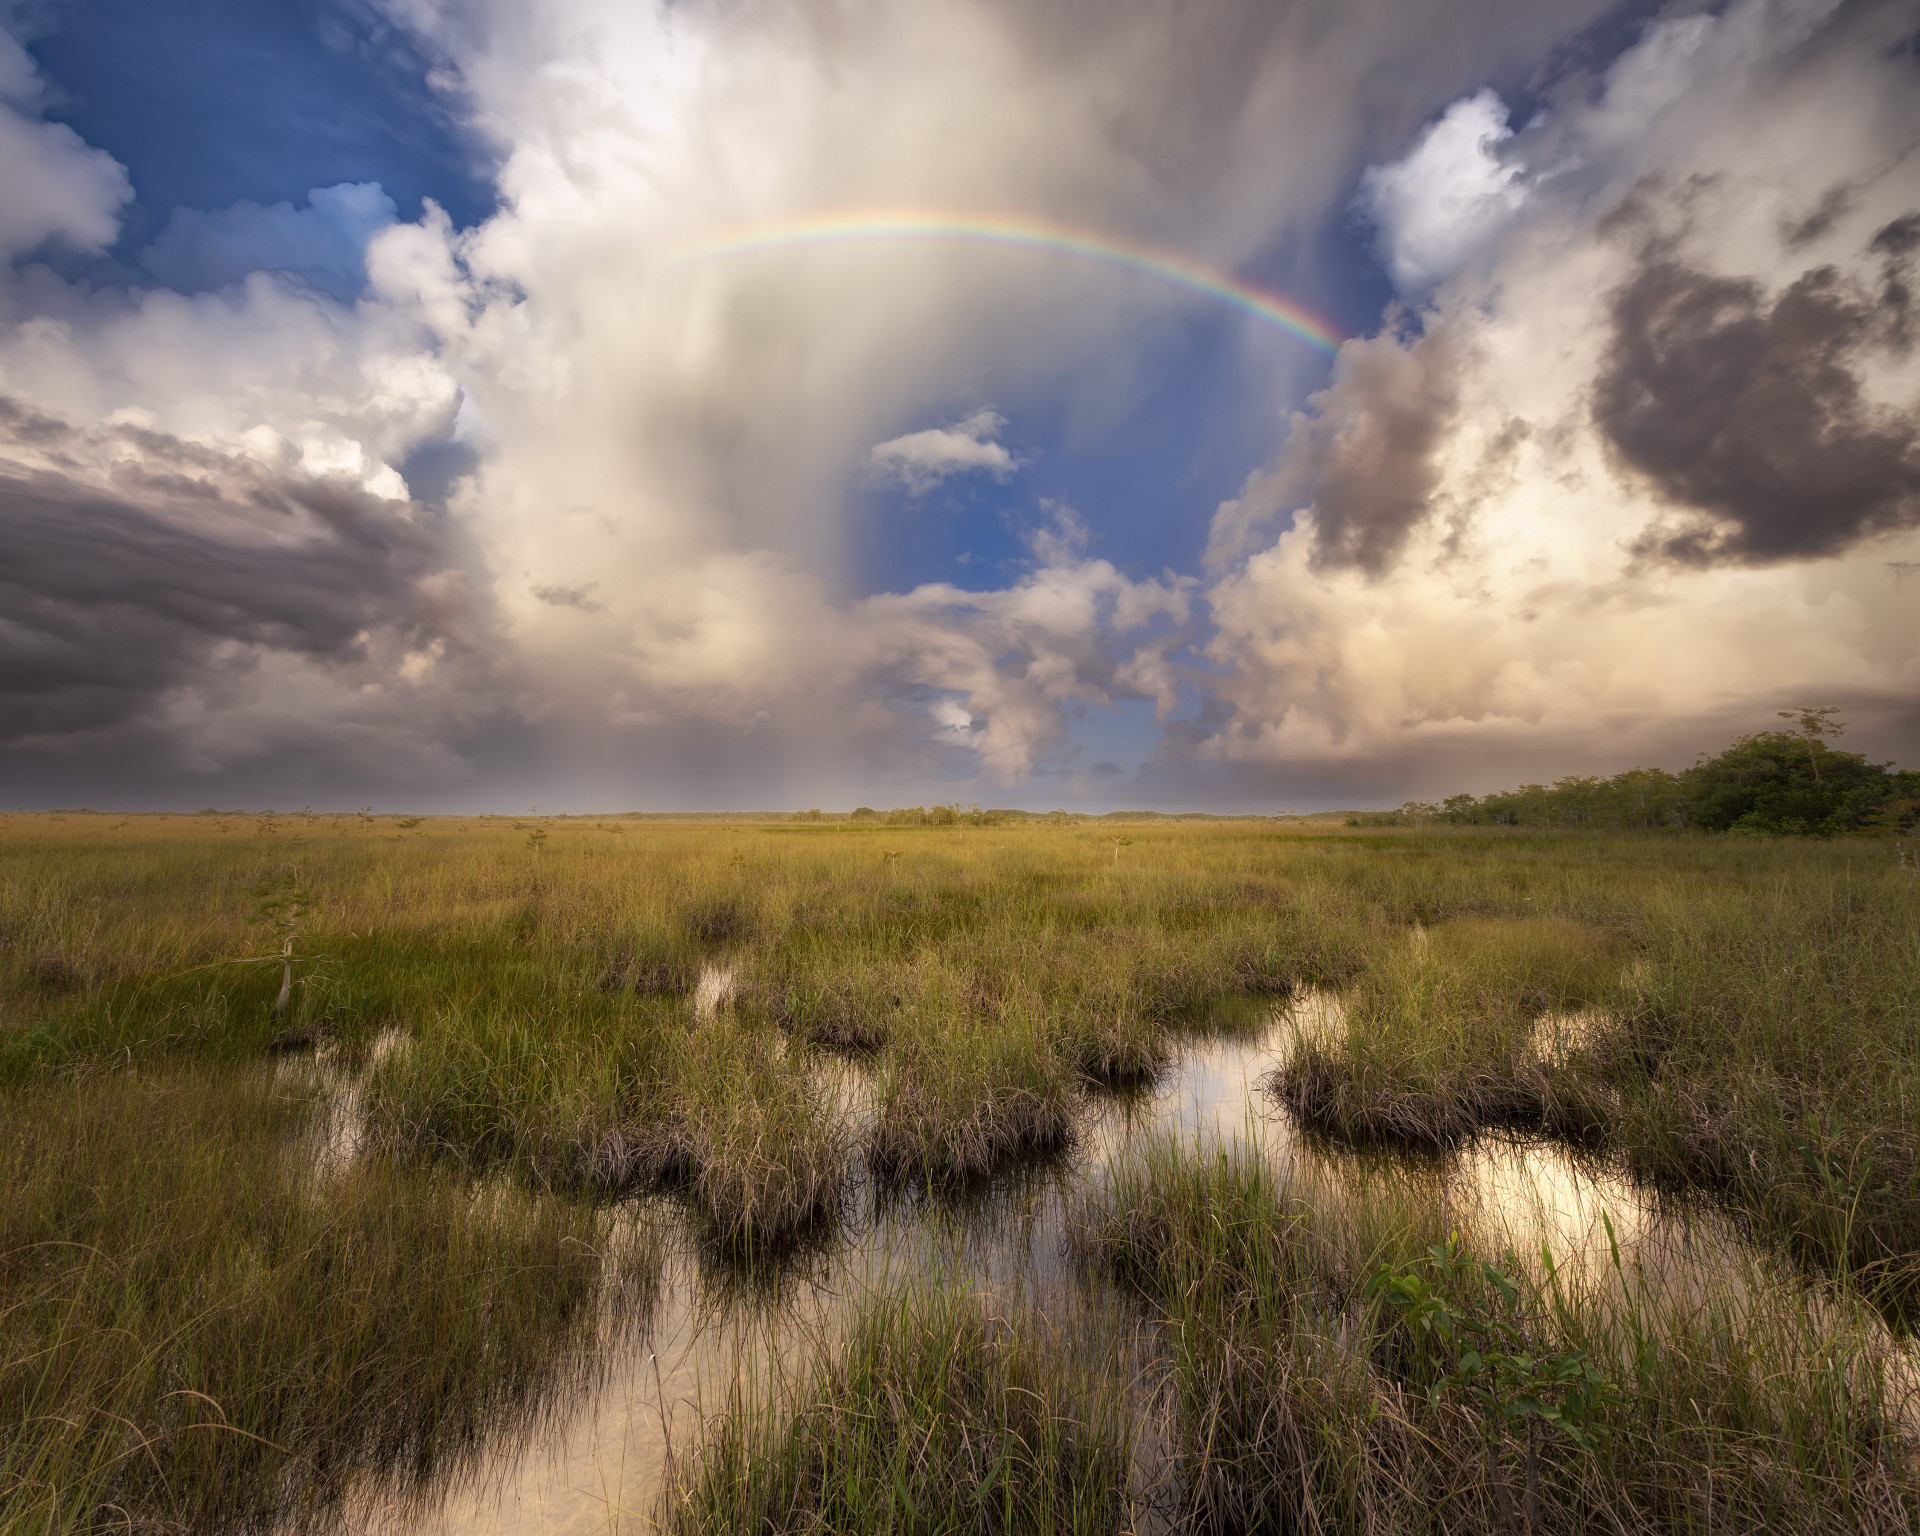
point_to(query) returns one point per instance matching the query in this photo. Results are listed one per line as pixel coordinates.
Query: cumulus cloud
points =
(1449, 198)
(212, 563)
(1365, 452)
(650, 555)
(1000, 668)
(687, 433)
(1748, 411)
(53, 186)
(1639, 473)
(918, 461)
(325, 242)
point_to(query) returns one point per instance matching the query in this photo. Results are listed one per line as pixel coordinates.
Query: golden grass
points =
(1737, 1019)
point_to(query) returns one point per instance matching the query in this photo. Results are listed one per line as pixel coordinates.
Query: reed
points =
(202, 1332)
(1737, 1021)
(1340, 1362)
(568, 1099)
(751, 1130)
(964, 1093)
(937, 1413)
(1449, 1032)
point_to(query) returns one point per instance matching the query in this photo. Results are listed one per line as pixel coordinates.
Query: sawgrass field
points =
(340, 1152)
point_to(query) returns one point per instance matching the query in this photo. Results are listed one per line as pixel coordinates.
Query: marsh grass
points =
(965, 1092)
(937, 1413)
(198, 1334)
(1758, 1038)
(843, 995)
(1441, 1033)
(1108, 1037)
(657, 964)
(752, 1131)
(1339, 1361)
(567, 1099)
(1735, 1019)
(1769, 1047)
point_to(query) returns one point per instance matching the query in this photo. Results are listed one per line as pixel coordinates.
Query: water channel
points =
(598, 1467)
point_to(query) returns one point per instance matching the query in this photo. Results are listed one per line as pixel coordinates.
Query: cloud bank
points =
(324, 242)
(1640, 473)
(331, 500)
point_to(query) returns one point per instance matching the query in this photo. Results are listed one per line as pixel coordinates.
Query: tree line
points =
(1790, 782)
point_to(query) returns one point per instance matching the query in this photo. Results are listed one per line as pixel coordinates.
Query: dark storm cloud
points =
(1368, 450)
(580, 597)
(1749, 414)
(22, 424)
(1899, 239)
(1834, 205)
(1361, 460)
(111, 596)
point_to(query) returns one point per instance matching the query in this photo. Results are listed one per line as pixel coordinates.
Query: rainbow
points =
(875, 226)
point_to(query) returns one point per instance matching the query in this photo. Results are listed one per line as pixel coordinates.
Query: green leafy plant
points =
(1475, 1343)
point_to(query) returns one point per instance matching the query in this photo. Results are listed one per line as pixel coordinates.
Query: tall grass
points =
(750, 1127)
(1736, 1019)
(1738, 1025)
(965, 1092)
(1769, 1046)
(1443, 1033)
(198, 1333)
(1340, 1362)
(568, 1099)
(935, 1414)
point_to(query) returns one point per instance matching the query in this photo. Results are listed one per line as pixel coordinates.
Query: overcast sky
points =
(464, 404)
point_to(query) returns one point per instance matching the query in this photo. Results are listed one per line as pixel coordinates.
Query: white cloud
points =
(324, 242)
(1672, 478)
(1009, 664)
(1449, 198)
(52, 184)
(681, 439)
(687, 434)
(919, 461)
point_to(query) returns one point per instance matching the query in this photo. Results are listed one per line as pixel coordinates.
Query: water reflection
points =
(722, 1327)
(334, 1076)
(714, 988)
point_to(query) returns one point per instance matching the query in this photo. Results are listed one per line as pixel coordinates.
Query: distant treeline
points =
(954, 815)
(1786, 783)
(957, 815)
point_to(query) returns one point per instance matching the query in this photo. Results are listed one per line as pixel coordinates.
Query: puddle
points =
(335, 1078)
(714, 987)
(599, 1470)
(1559, 1036)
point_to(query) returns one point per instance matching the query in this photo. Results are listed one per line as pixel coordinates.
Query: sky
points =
(452, 405)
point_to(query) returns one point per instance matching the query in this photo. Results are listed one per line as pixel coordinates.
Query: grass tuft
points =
(960, 1098)
(200, 1335)
(1339, 1363)
(748, 1127)
(935, 1414)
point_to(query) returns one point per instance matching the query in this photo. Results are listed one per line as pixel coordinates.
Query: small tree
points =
(282, 900)
(1814, 723)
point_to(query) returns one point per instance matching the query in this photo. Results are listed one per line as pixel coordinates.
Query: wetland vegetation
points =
(349, 1158)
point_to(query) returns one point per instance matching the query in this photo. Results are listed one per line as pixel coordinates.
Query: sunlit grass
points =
(1737, 1021)
(1341, 1361)
(939, 1412)
(201, 1331)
